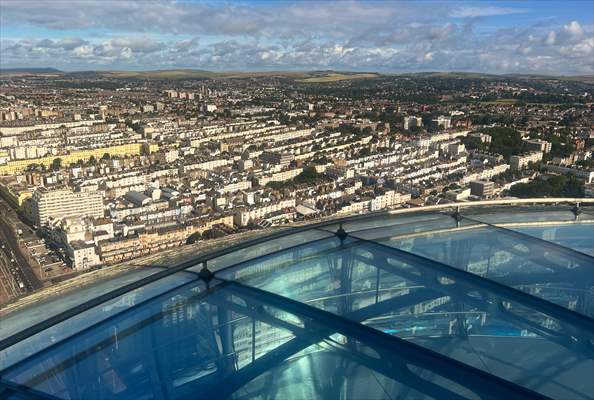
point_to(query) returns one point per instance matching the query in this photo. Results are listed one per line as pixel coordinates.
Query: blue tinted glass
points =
(407, 306)
(508, 257)
(414, 299)
(576, 236)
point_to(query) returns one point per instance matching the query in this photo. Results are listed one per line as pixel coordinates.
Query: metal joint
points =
(457, 216)
(341, 233)
(205, 274)
(576, 210)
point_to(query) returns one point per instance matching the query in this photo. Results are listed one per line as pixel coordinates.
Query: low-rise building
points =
(484, 189)
(522, 161)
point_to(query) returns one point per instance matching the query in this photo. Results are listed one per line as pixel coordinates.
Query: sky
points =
(543, 37)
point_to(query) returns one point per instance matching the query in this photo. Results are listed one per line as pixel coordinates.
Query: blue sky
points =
(549, 37)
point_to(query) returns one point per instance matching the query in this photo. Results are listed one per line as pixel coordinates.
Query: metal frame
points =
(401, 352)
(578, 329)
(566, 251)
(42, 325)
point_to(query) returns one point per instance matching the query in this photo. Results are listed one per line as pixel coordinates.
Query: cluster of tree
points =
(549, 186)
(353, 130)
(309, 176)
(474, 143)
(105, 85)
(548, 98)
(505, 141)
(35, 167)
(588, 164)
(212, 233)
(194, 237)
(561, 145)
(489, 119)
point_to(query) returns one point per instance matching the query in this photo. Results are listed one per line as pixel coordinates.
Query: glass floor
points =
(484, 302)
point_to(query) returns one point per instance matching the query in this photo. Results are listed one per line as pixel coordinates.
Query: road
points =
(12, 254)
(9, 284)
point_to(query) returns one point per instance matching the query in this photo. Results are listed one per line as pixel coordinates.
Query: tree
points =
(194, 237)
(309, 175)
(105, 157)
(550, 186)
(505, 141)
(56, 164)
(33, 167)
(92, 160)
(473, 142)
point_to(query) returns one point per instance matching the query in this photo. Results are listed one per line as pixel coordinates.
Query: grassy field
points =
(500, 102)
(189, 74)
(334, 77)
(305, 77)
(168, 74)
(509, 102)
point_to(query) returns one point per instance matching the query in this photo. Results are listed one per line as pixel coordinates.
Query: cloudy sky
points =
(550, 37)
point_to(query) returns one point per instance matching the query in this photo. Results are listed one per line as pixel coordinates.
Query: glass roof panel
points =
(265, 247)
(508, 257)
(519, 214)
(397, 223)
(73, 326)
(416, 305)
(15, 321)
(370, 284)
(576, 236)
(186, 344)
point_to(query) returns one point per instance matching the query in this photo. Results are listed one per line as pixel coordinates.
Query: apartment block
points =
(62, 203)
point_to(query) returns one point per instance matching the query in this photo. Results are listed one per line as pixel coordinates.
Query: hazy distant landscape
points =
(298, 76)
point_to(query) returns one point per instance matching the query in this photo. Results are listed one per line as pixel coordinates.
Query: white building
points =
(411, 122)
(522, 161)
(61, 203)
(443, 121)
(587, 175)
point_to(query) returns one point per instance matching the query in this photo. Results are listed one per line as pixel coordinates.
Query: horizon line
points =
(247, 71)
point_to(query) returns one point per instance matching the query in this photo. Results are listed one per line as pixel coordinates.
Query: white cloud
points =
(363, 35)
(574, 29)
(488, 11)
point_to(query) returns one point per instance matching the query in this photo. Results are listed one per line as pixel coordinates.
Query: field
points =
(335, 77)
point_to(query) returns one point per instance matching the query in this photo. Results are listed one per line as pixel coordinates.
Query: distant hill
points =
(319, 77)
(195, 74)
(30, 71)
(574, 78)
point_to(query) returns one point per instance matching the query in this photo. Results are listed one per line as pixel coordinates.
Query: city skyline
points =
(554, 38)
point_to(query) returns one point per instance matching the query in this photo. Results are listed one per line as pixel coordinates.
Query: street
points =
(16, 275)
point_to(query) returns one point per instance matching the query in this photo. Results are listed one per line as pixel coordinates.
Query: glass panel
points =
(420, 303)
(327, 371)
(520, 261)
(21, 318)
(397, 223)
(74, 325)
(224, 344)
(576, 236)
(267, 247)
(519, 214)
